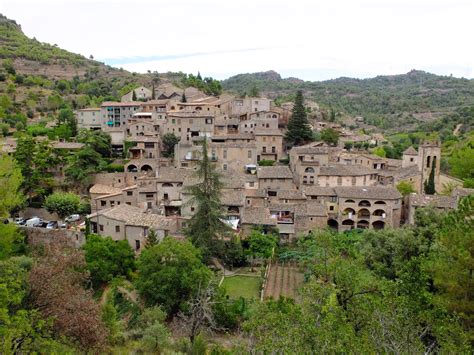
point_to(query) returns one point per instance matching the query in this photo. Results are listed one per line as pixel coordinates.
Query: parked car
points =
(42, 224)
(20, 221)
(63, 226)
(72, 218)
(33, 222)
(52, 225)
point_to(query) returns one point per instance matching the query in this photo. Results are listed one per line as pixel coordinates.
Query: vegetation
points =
(299, 131)
(242, 286)
(63, 203)
(330, 136)
(169, 142)
(206, 226)
(405, 188)
(208, 85)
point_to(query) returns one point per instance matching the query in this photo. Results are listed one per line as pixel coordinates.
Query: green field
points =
(242, 286)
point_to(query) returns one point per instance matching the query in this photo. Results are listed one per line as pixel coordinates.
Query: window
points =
(112, 203)
(149, 145)
(148, 204)
(225, 153)
(339, 181)
(428, 160)
(173, 121)
(273, 149)
(333, 199)
(117, 229)
(137, 245)
(165, 196)
(412, 159)
(101, 227)
(192, 209)
(225, 167)
(129, 193)
(264, 149)
(103, 203)
(208, 120)
(128, 203)
(249, 154)
(251, 184)
(331, 208)
(149, 195)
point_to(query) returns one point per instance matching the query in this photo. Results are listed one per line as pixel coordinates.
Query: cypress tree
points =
(430, 183)
(183, 98)
(153, 92)
(299, 131)
(134, 95)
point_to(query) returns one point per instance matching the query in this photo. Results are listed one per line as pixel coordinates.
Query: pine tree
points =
(199, 77)
(206, 226)
(183, 98)
(151, 239)
(430, 183)
(134, 95)
(299, 131)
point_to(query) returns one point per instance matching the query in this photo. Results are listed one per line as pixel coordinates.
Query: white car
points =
(33, 222)
(72, 218)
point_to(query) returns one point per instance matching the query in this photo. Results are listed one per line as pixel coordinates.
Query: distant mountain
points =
(416, 91)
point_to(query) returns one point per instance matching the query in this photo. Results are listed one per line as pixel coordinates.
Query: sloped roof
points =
(311, 190)
(410, 151)
(274, 172)
(440, 201)
(104, 189)
(310, 208)
(346, 170)
(368, 192)
(258, 215)
(291, 195)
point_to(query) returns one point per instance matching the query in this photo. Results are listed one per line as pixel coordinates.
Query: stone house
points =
(233, 155)
(143, 154)
(269, 144)
(141, 93)
(275, 178)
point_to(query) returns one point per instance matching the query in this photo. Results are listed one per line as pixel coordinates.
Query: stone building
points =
(88, 118)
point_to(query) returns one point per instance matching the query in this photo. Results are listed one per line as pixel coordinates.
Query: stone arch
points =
(364, 203)
(349, 201)
(380, 203)
(349, 210)
(146, 167)
(363, 224)
(309, 170)
(167, 184)
(348, 222)
(363, 213)
(379, 212)
(333, 224)
(378, 225)
(132, 168)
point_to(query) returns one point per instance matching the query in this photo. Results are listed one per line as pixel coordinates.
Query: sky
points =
(308, 39)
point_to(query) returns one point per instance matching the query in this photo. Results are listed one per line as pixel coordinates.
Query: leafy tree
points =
(82, 164)
(299, 130)
(254, 92)
(233, 252)
(452, 263)
(12, 241)
(462, 162)
(152, 329)
(430, 183)
(169, 141)
(405, 188)
(260, 246)
(24, 156)
(170, 273)
(206, 226)
(100, 141)
(107, 258)
(10, 183)
(63, 203)
(330, 136)
(4, 129)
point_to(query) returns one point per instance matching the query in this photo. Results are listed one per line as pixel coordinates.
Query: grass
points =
(242, 286)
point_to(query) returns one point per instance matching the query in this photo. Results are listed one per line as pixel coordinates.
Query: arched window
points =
(309, 170)
(146, 167)
(349, 201)
(378, 225)
(428, 160)
(132, 168)
(380, 203)
(167, 184)
(364, 203)
(363, 213)
(363, 224)
(348, 222)
(379, 213)
(332, 223)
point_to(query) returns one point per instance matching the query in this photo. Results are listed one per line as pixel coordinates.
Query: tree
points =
(10, 183)
(452, 263)
(462, 162)
(299, 130)
(134, 95)
(152, 329)
(170, 273)
(254, 91)
(24, 156)
(151, 239)
(260, 245)
(206, 225)
(82, 164)
(4, 129)
(330, 136)
(57, 281)
(63, 203)
(153, 95)
(429, 185)
(107, 258)
(169, 141)
(405, 187)
(100, 141)
(183, 98)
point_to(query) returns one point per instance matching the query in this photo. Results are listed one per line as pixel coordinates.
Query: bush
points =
(115, 168)
(266, 162)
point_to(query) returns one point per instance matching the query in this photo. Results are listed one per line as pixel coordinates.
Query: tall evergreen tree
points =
(153, 92)
(134, 95)
(183, 98)
(199, 77)
(299, 132)
(151, 239)
(430, 183)
(206, 226)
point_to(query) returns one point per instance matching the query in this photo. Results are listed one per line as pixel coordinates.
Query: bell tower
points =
(429, 156)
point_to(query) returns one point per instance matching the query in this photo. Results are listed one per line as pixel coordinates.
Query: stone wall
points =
(42, 236)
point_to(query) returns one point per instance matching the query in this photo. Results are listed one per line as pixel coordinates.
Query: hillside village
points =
(172, 213)
(315, 185)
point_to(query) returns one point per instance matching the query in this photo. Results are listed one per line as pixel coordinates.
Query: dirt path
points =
(457, 129)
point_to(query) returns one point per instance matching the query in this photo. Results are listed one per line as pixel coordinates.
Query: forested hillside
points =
(382, 97)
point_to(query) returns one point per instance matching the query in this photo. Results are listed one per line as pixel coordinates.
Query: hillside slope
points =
(416, 91)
